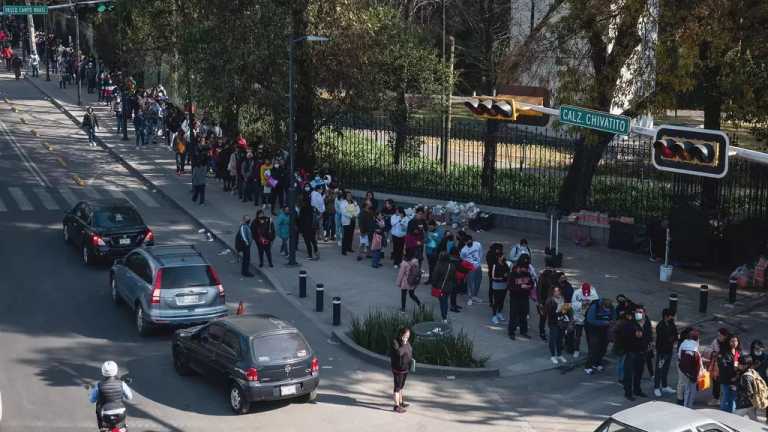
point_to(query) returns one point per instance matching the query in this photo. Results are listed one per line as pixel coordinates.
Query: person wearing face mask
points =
(263, 234)
(581, 300)
(243, 245)
(666, 337)
(635, 342)
(520, 286)
(558, 318)
(728, 363)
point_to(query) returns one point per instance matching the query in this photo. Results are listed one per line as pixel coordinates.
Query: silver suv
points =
(167, 285)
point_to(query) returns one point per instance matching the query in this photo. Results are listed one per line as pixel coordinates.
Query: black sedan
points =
(105, 229)
(258, 357)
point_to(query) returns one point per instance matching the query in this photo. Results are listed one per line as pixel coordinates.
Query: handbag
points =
(704, 382)
(271, 182)
(714, 369)
(439, 292)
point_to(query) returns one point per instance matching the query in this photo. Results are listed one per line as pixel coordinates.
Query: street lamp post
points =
(293, 242)
(77, 54)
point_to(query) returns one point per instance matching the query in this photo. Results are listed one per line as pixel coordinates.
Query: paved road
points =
(57, 323)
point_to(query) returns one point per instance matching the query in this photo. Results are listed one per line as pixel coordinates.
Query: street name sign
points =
(577, 116)
(25, 10)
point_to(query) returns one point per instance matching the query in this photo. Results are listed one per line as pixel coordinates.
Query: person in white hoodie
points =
(689, 367)
(580, 303)
(472, 252)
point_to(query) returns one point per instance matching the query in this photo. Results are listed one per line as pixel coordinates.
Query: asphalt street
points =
(57, 322)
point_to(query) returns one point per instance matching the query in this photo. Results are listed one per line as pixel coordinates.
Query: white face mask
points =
(758, 352)
(639, 316)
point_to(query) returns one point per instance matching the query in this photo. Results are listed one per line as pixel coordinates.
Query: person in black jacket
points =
(306, 225)
(634, 339)
(666, 337)
(401, 356)
(520, 286)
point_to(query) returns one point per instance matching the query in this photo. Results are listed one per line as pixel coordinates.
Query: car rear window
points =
(187, 277)
(114, 217)
(279, 348)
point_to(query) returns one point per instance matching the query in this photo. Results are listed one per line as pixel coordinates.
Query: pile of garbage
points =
(456, 215)
(754, 276)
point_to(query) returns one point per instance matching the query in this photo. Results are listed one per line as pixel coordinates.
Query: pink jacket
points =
(406, 267)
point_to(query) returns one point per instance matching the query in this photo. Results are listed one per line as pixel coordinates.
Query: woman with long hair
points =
(401, 357)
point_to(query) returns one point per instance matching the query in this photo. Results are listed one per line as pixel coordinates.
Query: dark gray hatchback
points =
(259, 357)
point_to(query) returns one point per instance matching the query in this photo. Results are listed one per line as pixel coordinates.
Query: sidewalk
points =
(361, 287)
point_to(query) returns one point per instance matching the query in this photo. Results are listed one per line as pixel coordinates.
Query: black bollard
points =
(673, 303)
(319, 292)
(732, 291)
(337, 311)
(703, 298)
(302, 284)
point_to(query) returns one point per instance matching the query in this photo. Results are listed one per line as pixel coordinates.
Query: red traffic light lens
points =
(663, 149)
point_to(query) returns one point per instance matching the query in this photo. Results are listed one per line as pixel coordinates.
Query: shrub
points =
(376, 331)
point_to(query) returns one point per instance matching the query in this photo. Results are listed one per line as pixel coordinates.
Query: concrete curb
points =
(421, 368)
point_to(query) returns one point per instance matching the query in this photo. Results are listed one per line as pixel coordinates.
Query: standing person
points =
(499, 272)
(401, 357)
(417, 227)
(339, 204)
(519, 249)
(408, 278)
(90, 124)
(751, 391)
(248, 172)
(728, 363)
(600, 315)
(307, 226)
(387, 211)
(666, 337)
(472, 253)
(690, 366)
(635, 342)
(760, 359)
(581, 300)
(243, 244)
(180, 149)
(520, 286)
(138, 128)
(350, 211)
(199, 178)
(318, 204)
(34, 63)
(377, 243)
(283, 223)
(491, 258)
(434, 236)
(558, 318)
(399, 224)
(445, 280)
(329, 215)
(720, 344)
(366, 226)
(374, 202)
(263, 234)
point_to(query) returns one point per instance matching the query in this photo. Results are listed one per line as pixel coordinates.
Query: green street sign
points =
(592, 119)
(25, 10)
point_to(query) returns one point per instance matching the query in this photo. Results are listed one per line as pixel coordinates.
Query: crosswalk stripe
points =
(68, 195)
(91, 192)
(118, 194)
(2, 206)
(145, 197)
(46, 198)
(20, 198)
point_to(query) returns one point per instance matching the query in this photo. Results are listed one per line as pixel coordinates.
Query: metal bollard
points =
(703, 298)
(732, 291)
(319, 293)
(673, 303)
(302, 284)
(337, 311)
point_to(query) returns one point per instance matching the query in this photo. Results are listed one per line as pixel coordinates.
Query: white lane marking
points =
(46, 198)
(145, 197)
(120, 195)
(33, 169)
(20, 198)
(68, 195)
(2, 206)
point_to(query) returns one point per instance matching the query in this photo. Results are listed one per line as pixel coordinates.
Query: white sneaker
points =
(589, 371)
(469, 302)
(657, 392)
(563, 359)
(553, 359)
(576, 355)
(501, 317)
(669, 390)
(495, 319)
(599, 368)
(445, 321)
(477, 300)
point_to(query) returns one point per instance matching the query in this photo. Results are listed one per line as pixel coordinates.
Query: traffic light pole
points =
(77, 55)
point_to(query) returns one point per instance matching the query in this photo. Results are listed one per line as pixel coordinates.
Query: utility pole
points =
(533, 13)
(47, 48)
(443, 96)
(31, 31)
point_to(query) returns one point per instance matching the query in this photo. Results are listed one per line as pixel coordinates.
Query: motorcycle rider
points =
(109, 393)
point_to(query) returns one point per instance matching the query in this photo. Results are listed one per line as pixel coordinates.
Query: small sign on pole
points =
(577, 116)
(25, 10)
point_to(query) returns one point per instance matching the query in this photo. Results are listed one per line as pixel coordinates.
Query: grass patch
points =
(376, 331)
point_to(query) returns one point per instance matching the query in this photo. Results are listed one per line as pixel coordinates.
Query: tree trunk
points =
(710, 187)
(490, 145)
(31, 28)
(577, 184)
(305, 96)
(400, 123)
(230, 119)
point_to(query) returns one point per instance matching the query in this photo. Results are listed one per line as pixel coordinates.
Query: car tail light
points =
(251, 374)
(315, 366)
(149, 235)
(216, 280)
(156, 287)
(96, 240)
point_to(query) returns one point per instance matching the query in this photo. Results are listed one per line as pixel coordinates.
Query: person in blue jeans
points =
(138, 128)
(445, 279)
(728, 363)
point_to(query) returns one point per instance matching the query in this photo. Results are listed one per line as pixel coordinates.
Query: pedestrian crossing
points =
(63, 198)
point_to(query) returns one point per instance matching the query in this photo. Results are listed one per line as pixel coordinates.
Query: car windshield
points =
(612, 425)
(279, 348)
(115, 217)
(187, 277)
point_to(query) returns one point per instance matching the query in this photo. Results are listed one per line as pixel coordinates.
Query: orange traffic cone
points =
(240, 309)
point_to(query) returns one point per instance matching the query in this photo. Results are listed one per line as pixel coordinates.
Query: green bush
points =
(376, 331)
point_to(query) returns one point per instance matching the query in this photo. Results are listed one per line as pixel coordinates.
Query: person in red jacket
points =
(7, 54)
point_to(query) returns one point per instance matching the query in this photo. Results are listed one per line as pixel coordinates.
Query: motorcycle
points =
(113, 422)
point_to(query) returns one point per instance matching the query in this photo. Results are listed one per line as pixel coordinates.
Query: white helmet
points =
(109, 369)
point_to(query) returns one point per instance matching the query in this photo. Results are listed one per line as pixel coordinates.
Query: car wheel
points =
(180, 364)
(309, 397)
(87, 256)
(142, 327)
(66, 234)
(115, 295)
(237, 400)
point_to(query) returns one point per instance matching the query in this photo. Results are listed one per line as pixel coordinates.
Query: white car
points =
(667, 417)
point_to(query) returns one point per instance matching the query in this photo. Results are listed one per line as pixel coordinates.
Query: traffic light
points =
(700, 152)
(493, 107)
